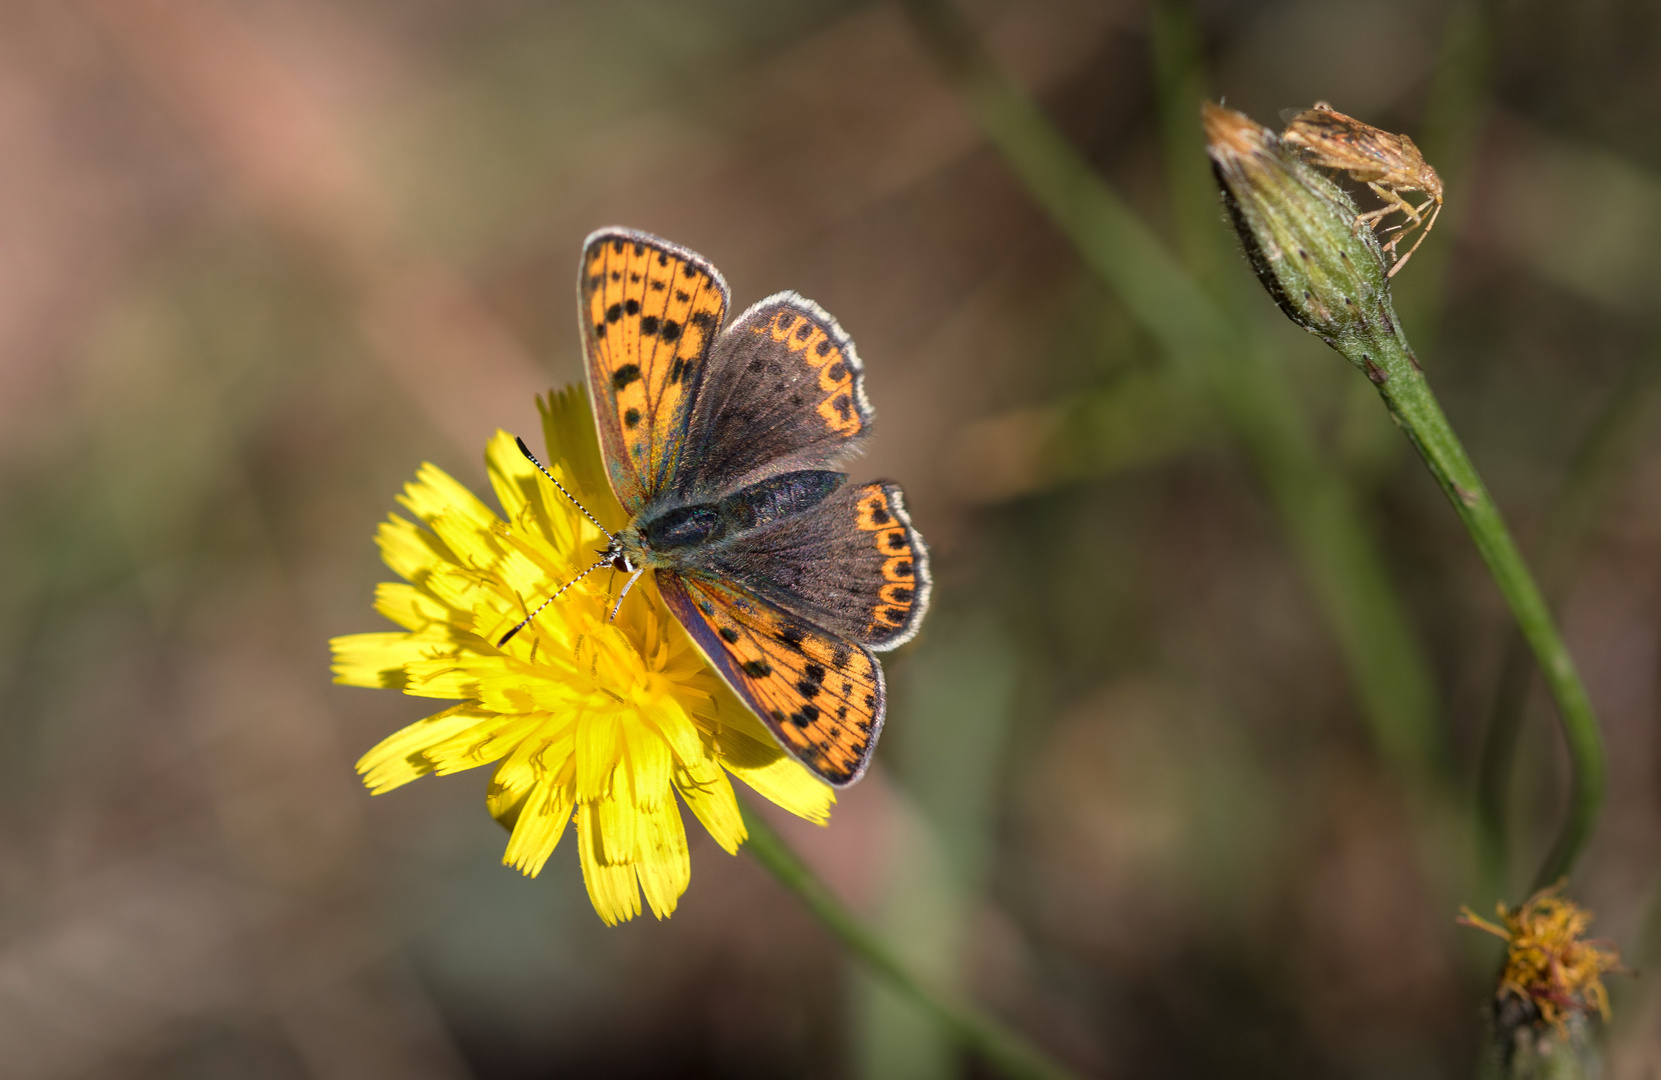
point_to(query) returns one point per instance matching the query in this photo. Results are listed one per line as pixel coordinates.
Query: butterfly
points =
(721, 444)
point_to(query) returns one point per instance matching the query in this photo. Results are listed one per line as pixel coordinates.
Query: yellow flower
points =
(594, 720)
(1550, 966)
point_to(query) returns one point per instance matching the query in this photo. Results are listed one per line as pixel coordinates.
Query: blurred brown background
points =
(260, 258)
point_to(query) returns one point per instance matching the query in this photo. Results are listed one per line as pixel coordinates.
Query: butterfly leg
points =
(627, 585)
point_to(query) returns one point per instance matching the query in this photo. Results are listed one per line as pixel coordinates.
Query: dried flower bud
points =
(1298, 229)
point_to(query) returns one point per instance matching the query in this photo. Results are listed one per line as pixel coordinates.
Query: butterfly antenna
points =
(627, 585)
(505, 638)
(523, 449)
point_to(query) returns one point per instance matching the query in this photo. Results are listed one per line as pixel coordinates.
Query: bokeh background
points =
(260, 258)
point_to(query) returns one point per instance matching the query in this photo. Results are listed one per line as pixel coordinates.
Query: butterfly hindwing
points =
(851, 564)
(784, 391)
(650, 312)
(821, 696)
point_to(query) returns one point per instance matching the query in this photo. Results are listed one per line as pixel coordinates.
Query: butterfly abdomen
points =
(779, 497)
(762, 503)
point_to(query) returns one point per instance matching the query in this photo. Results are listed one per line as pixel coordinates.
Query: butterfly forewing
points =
(651, 311)
(821, 696)
(785, 391)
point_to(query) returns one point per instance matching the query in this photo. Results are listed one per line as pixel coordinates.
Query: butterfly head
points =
(618, 557)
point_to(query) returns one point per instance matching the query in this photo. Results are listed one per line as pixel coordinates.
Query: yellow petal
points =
(453, 676)
(544, 756)
(648, 764)
(512, 476)
(516, 687)
(621, 823)
(662, 860)
(409, 607)
(540, 826)
(533, 507)
(569, 433)
(611, 886)
(484, 744)
(677, 729)
(400, 757)
(715, 806)
(597, 738)
(723, 706)
(749, 751)
(473, 545)
(789, 784)
(436, 492)
(373, 660)
(411, 551)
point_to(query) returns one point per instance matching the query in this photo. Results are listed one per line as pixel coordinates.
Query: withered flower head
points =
(1552, 970)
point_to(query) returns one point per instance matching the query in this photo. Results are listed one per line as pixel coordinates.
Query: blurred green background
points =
(260, 258)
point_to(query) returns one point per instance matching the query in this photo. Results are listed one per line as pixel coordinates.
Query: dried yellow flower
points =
(1550, 964)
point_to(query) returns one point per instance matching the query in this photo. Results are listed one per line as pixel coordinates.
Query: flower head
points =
(591, 719)
(1298, 229)
(1551, 968)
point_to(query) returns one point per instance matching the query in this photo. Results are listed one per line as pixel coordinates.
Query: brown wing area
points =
(853, 564)
(1332, 140)
(822, 697)
(650, 311)
(824, 350)
(785, 391)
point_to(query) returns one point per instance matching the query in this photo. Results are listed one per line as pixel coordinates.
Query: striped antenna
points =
(523, 449)
(505, 638)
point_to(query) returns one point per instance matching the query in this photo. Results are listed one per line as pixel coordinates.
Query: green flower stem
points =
(1606, 448)
(1002, 1048)
(1243, 379)
(1413, 405)
(1328, 275)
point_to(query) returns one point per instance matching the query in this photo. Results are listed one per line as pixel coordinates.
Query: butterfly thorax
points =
(670, 532)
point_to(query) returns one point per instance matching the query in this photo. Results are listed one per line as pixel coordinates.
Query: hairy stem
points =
(1414, 406)
(1567, 524)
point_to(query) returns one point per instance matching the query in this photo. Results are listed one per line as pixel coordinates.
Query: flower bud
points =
(1300, 235)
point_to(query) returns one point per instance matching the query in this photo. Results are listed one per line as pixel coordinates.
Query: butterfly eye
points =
(621, 562)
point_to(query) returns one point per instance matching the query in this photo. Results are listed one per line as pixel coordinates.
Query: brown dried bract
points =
(1389, 164)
